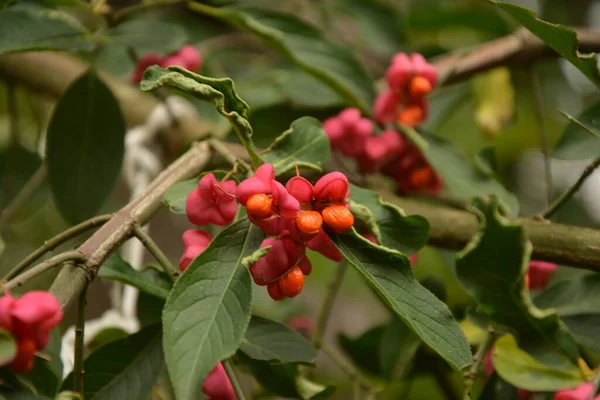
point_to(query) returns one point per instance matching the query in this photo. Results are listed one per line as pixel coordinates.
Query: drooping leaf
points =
(272, 341)
(492, 268)
(306, 46)
(305, 144)
(390, 274)
(363, 349)
(461, 178)
(208, 310)
(36, 28)
(176, 195)
(576, 142)
(8, 347)
(144, 36)
(563, 40)
(398, 346)
(123, 369)
(219, 91)
(84, 147)
(149, 280)
(522, 370)
(393, 228)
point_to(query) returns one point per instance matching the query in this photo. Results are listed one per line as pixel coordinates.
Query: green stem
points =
(325, 312)
(579, 124)
(156, 252)
(42, 267)
(471, 376)
(233, 379)
(539, 112)
(79, 344)
(572, 190)
(57, 241)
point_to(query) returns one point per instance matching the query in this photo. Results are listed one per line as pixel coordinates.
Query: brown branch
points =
(519, 48)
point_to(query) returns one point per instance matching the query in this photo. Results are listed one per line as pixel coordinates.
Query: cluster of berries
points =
(410, 79)
(29, 319)
(187, 57)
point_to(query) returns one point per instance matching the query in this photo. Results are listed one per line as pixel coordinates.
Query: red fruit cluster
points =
(410, 79)
(217, 385)
(187, 57)
(389, 152)
(29, 319)
(295, 216)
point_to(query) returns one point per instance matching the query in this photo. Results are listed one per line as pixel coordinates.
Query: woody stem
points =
(156, 252)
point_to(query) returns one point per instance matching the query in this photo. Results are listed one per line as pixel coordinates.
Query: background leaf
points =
(123, 369)
(334, 64)
(272, 341)
(8, 347)
(389, 273)
(576, 143)
(208, 310)
(363, 349)
(146, 36)
(305, 144)
(84, 147)
(398, 346)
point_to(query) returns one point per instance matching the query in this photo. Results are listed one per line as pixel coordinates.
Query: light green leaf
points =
(390, 274)
(523, 371)
(36, 28)
(305, 45)
(563, 40)
(305, 144)
(144, 36)
(393, 229)
(577, 142)
(8, 347)
(84, 148)
(123, 369)
(461, 178)
(272, 341)
(208, 310)
(149, 280)
(492, 268)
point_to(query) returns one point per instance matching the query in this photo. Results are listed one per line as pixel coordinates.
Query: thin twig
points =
(44, 266)
(572, 190)
(32, 184)
(579, 124)
(233, 379)
(471, 376)
(79, 342)
(543, 132)
(325, 312)
(348, 369)
(56, 241)
(156, 252)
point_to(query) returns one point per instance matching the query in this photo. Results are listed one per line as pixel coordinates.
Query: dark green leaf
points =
(208, 310)
(492, 268)
(398, 347)
(497, 388)
(106, 336)
(149, 309)
(146, 36)
(84, 148)
(522, 370)
(45, 379)
(8, 347)
(176, 195)
(461, 178)
(123, 369)
(563, 40)
(393, 229)
(149, 280)
(33, 28)
(53, 351)
(576, 143)
(364, 350)
(305, 144)
(306, 46)
(17, 165)
(272, 341)
(390, 274)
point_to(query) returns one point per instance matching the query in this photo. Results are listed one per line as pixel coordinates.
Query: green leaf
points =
(305, 144)
(461, 178)
(123, 369)
(390, 274)
(577, 143)
(523, 371)
(34, 28)
(305, 45)
(219, 91)
(208, 310)
(492, 268)
(284, 380)
(144, 36)
(398, 347)
(563, 40)
(149, 280)
(364, 349)
(17, 166)
(45, 379)
(106, 336)
(84, 147)
(393, 229)
(8, 347)
(272, 341)
(68, 395)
